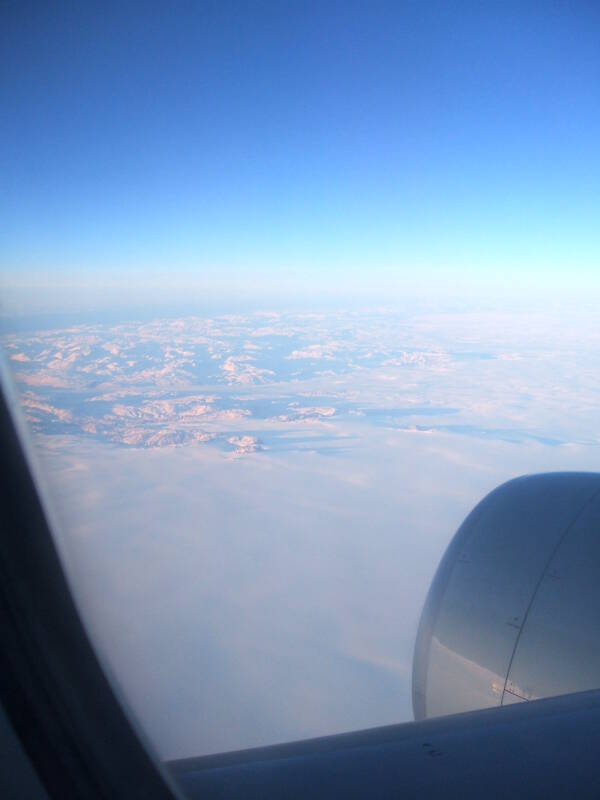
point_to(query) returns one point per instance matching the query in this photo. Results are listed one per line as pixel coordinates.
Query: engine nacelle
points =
(513, 612)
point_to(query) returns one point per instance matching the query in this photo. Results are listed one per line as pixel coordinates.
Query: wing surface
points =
(540, 749)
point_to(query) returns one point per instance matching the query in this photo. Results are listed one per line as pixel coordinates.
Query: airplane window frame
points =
(54, 691)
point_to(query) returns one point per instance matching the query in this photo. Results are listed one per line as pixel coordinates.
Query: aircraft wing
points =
(541, 749)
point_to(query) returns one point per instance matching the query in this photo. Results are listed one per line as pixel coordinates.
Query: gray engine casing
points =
(513, 612)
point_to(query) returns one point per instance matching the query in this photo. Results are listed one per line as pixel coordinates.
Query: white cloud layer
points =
(252, 507)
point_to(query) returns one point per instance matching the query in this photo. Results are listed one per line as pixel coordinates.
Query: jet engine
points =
(513, 613)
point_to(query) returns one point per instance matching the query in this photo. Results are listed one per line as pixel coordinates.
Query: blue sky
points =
(313, 146)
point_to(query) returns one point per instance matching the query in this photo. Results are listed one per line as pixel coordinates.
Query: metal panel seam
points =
(566, 532)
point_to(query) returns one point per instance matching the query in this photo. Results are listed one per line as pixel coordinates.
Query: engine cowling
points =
(513, 612)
